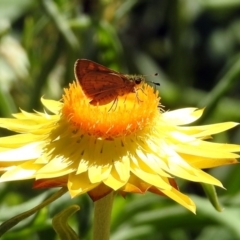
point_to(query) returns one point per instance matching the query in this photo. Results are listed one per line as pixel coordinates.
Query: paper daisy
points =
(135, 147)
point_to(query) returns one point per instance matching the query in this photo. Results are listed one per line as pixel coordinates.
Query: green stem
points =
(102, 217)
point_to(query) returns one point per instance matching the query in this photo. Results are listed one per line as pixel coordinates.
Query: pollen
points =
(126, 115)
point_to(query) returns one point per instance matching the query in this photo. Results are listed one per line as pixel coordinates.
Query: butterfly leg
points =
(115, 102)
(136, 91)
(141, 90)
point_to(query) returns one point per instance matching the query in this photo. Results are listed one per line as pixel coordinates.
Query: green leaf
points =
(5, 226)
(211, 193)
(60, 225)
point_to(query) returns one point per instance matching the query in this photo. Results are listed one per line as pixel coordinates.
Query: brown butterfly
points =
(102, 85)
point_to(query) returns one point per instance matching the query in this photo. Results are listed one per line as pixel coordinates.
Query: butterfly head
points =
(136, 79)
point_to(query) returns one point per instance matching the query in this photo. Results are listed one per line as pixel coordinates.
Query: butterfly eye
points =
(138, 81)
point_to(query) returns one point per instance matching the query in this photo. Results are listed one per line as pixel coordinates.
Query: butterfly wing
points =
(104, 98)
(101, 87)
(99, 83)
(94, 83)
(84, 66)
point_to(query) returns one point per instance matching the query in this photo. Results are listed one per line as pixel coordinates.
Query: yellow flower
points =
(132, 146)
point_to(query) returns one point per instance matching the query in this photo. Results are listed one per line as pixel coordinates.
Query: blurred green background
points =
(194, 46)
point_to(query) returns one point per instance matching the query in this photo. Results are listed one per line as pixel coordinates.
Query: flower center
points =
(128, 114)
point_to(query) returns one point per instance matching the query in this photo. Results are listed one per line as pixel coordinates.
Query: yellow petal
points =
(123, 169)
(57, 167)
(95, 174)
(51, 105)
(182, 116)
(114, 181)
(79, 184)
(150, 178)
(180, 198)
(23, 171)
(206, 130)
(27, 152)
(203, 162)
(19, 140)
(206, 149)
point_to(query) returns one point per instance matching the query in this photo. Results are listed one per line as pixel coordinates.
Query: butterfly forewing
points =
(83, 66)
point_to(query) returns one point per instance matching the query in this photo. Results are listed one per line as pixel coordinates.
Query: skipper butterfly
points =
(103, 85)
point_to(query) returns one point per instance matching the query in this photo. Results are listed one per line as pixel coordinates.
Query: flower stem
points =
(102, 217)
